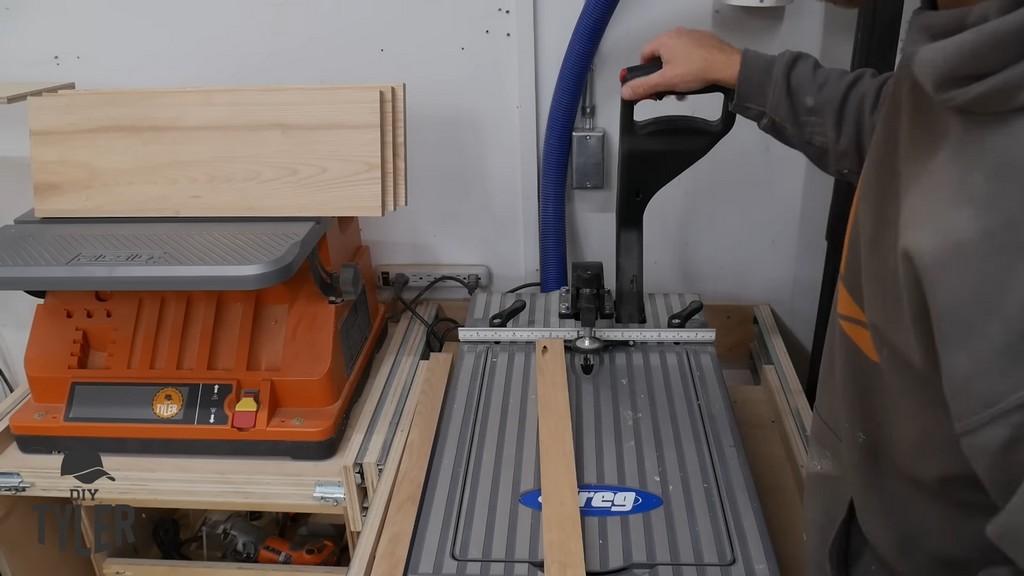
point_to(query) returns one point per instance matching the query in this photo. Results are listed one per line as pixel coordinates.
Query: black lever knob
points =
(681, 318)
(501, 318)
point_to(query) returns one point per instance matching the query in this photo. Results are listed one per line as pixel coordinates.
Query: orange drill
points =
(252, 544)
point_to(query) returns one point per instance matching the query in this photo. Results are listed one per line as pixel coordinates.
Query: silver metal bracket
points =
(12, 483)
(695, 335)
(332, 493)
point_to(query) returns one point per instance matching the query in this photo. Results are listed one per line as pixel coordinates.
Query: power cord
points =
(523, 287)
(400, 281)
(7, 381)
(167, 537)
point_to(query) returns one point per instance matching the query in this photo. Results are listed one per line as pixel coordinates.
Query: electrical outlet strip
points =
(422, 274)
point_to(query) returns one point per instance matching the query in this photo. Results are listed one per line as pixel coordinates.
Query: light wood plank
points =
(560, 513)
(789, 380)
(797, 452)
(20, 552)
(417, 448)
(767, 454)
(351, 444)
(392, 135)
(401, 177)
(139, 567)
(388, 147)
(279, 151)
(403, 381)
(11, 92)
(396, 535)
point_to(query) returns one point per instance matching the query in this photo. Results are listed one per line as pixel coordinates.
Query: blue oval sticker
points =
(604, 500)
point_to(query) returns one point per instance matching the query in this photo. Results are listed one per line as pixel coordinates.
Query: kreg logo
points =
(601, 500)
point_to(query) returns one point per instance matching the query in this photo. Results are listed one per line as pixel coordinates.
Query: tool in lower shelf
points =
(192, 336)
(250, 543)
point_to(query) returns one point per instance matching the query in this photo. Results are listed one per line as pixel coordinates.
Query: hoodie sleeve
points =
(826, 114)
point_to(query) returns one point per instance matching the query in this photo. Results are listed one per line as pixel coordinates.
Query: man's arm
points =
(827, 114)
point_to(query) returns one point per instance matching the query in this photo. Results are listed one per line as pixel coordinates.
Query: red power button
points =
(244, 417)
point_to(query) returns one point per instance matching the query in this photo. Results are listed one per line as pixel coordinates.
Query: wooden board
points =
(401, 177)
(20, 552)
(404, 377)
(562, 528)
(410, 344)
(396, 535)
(789, 379)
(278, 151)
(11, 92)
(134, 567)
(392, 136)
(417, 449)
(767, 454)
(797, 452)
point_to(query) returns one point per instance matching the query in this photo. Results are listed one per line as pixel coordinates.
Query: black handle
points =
(681, 318)
(652, 153)
(501, 318)
(647, 68)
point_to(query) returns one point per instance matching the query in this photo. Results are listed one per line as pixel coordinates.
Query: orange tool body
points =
(276, 550)
(271, 371)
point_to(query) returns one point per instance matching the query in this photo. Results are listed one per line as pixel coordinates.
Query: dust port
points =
(103, 296)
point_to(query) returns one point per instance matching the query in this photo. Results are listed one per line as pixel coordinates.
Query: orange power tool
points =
(250, 543)
(192, 336)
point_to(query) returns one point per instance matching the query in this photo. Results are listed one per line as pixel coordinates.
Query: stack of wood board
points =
(278, 151)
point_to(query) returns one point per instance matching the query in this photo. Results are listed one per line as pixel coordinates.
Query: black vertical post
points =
(875, 45)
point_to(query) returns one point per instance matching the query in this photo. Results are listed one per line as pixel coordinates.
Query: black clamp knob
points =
(501, 318)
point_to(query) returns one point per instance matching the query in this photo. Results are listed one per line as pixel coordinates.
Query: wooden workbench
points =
(770, 410)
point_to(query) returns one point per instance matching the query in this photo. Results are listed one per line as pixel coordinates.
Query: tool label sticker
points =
(167, 403)
(603, 500)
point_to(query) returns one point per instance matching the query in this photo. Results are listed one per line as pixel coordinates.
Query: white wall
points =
(747, 223)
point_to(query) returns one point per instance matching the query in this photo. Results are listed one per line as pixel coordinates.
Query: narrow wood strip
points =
(405, 502)
(560, 513)
(396, 536)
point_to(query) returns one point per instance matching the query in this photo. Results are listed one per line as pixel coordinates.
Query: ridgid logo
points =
(111, 524)
(602, 500)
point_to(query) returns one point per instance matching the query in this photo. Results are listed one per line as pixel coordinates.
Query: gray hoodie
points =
(917, 453)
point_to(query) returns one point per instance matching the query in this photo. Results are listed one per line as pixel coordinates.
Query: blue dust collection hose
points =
(579, 56)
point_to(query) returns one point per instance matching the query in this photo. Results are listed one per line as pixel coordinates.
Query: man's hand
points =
(691, 60)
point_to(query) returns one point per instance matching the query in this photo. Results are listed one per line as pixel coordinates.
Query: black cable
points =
(444, 335)
(523, 287)
(469, 288)
(418, 316)
(419, 295)
(7, 382)
(167, 537)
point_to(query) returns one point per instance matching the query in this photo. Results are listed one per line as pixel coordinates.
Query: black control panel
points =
(190, 404)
